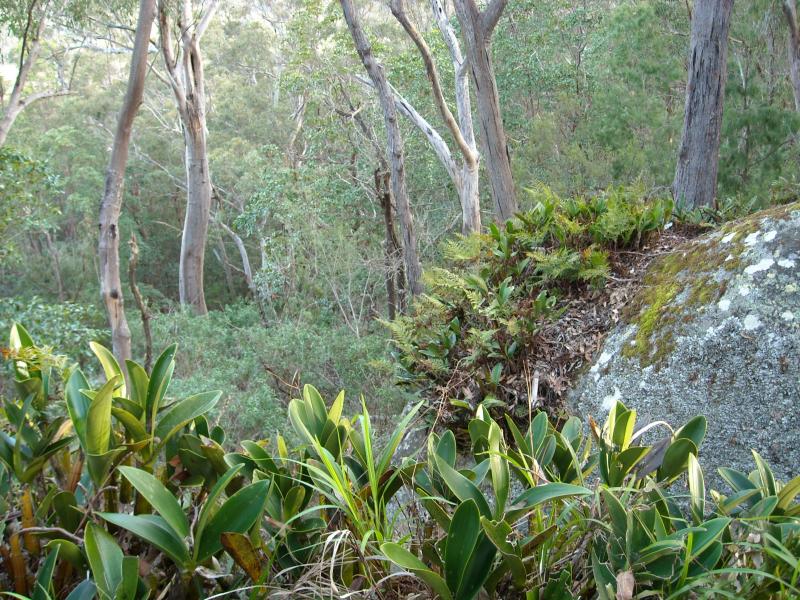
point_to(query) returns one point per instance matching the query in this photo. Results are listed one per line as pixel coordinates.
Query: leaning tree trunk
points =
(695, 181)
(394, 146)
(111, 204)
(477, 28)
(790, 10)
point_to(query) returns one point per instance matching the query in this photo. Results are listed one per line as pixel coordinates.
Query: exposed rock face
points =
(716, 331)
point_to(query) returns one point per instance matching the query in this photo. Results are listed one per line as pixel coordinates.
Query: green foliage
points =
(325, 514)
(25, 184)
(479, 319)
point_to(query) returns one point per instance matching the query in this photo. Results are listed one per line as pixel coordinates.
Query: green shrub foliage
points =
(116, 489)
(483, 314)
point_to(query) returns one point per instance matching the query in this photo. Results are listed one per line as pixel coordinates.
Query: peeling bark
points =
(187, 79)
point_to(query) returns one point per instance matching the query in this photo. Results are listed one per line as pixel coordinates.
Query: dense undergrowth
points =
(117, 489)
(497, 313)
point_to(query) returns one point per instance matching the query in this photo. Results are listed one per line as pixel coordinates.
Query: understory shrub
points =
(261, 368)
(122, 490)
(490, 314)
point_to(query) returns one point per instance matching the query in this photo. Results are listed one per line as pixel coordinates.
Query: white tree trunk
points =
(111, 204)
(695, 181)
(187, 79)
(394, 148)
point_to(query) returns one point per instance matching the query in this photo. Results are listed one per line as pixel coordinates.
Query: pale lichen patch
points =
(751, 322)
(762, 265)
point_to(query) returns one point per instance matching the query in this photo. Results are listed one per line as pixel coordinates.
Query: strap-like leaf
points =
(159, 497)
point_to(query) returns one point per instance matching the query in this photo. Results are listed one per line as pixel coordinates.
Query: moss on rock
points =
(684, 282)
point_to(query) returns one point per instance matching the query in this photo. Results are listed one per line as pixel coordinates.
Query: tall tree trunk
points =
(111, 204)
(465, 179)
(198, 214)
(187, 79)
(477, 28)
(695, 181)
(790, 10)
(394, 147)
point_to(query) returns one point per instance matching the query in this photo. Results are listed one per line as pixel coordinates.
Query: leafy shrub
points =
(260, 368)
(471, 335)
(543, 513)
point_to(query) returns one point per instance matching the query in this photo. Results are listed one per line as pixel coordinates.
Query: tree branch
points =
(398, 10)
(434, 139)
(491, 15)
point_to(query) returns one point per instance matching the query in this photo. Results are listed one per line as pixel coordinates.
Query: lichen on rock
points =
(715, 330)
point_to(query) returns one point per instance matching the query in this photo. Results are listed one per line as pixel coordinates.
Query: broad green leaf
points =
(159, 497)
(105, 560)
(78, 404)
(676, 458)
(405, 560)
(499, 468)
(68, 551)
(66, 508)
(710, 531)
(546, 492)
(153, 530)
(132, 425)
(462, 537)
(788, 493)
(160, 377)
(98, 426)
(694, 430)
(181, 413)
(210, 505)
(85, 590)
(111, 367)
(765, 474)
(462, 487)
(139, 382)
(236, 515)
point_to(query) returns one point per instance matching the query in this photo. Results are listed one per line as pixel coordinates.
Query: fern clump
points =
(492, 311)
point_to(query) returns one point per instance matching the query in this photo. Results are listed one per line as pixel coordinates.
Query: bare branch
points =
(398, 10)
(434, 138)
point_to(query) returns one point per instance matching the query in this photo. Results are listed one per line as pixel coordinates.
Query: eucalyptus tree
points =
(186, 76)
(27, 21)
(477, 27)
(464, 176)
(111, 204)
(377, 75)
(793, 44)
(695, 182)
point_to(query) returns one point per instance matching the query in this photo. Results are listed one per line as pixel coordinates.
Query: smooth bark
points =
(793, 43)
(31, 47)
(187, 79)
(394, 147)
(695, 182)
(111, 204)
(133, 262)
(465, 177)
(477, 27)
